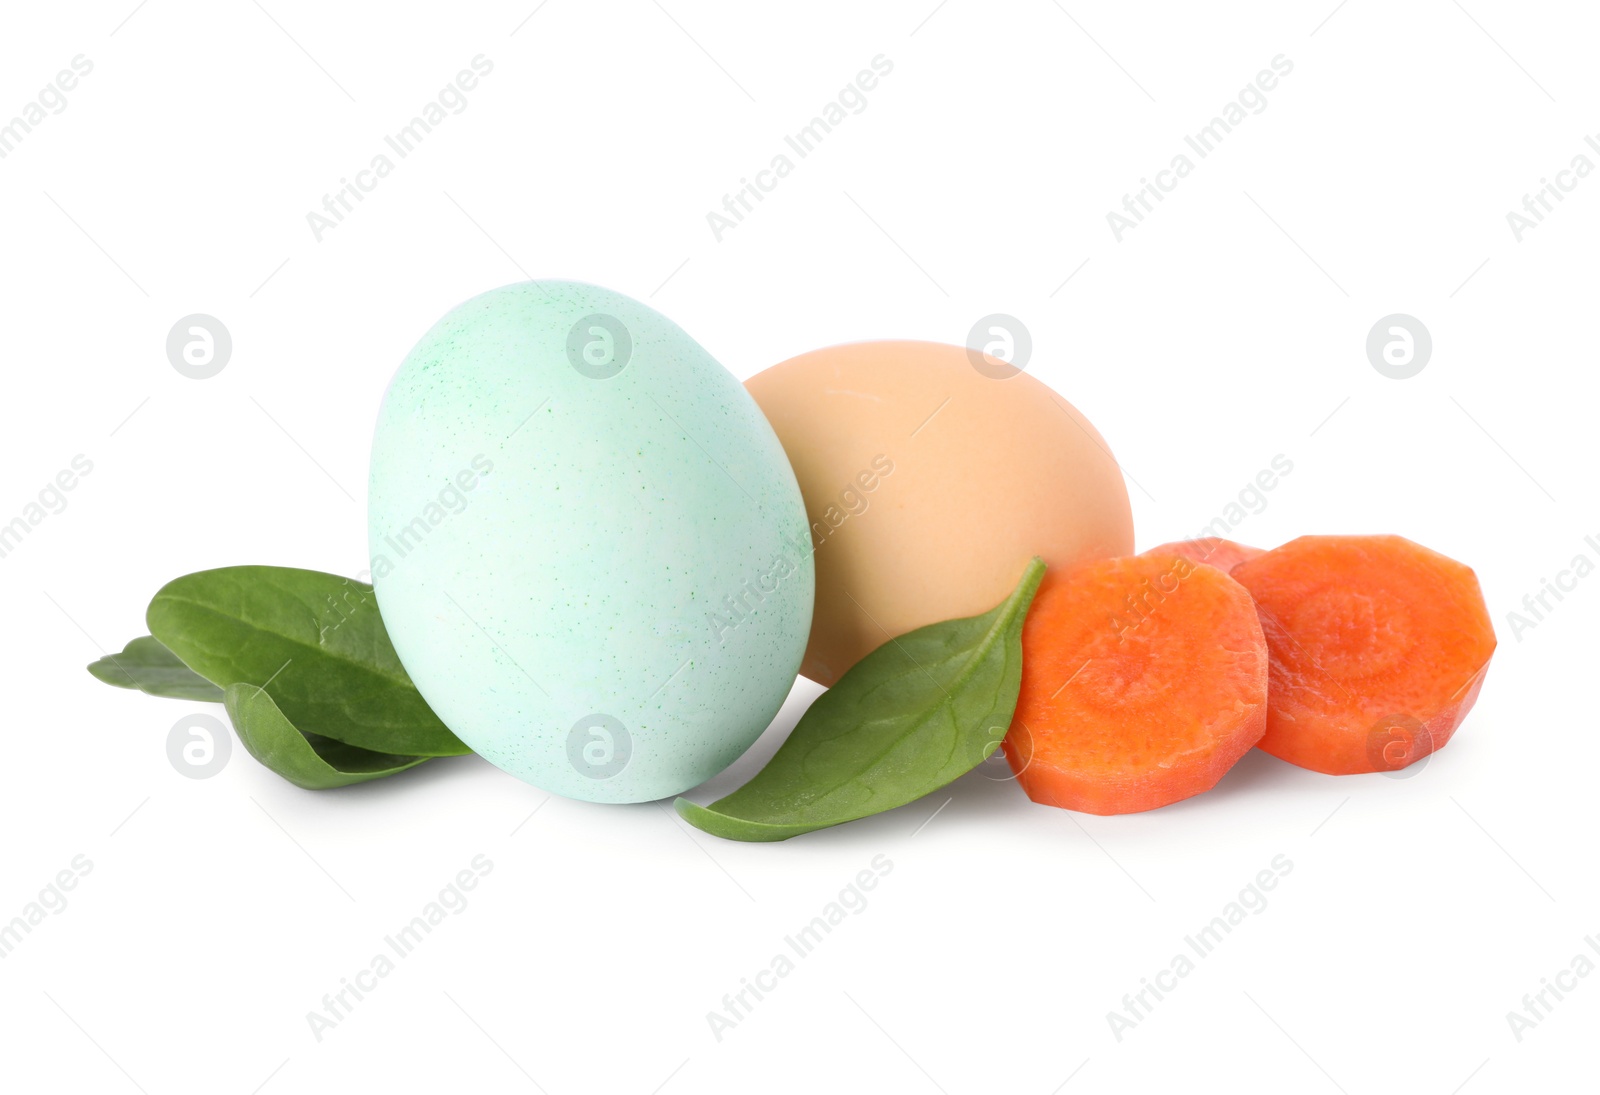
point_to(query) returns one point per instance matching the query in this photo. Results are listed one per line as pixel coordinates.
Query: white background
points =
(1226, 329)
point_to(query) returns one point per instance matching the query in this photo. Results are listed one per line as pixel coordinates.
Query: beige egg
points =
(929, 485)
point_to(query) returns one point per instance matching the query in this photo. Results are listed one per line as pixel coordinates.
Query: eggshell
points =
(588, 547)
(929, 484)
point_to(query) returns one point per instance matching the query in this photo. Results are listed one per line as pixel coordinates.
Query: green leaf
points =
(304, 759)
(148, 666)
(316, 643)
(907, 719)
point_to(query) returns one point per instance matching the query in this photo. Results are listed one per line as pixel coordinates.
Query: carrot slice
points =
(1144, 679)
(1378, 645)
(1212, 550)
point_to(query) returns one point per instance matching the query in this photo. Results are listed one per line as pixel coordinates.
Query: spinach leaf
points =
(303, 758)
(907, 719)
(316, 643)
(148, 666)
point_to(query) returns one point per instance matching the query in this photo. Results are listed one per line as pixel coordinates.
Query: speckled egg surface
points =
(588, 546)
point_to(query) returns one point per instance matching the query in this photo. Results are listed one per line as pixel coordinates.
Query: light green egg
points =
(588, 545)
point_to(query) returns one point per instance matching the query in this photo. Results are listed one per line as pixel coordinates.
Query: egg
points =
(931, 475)
(588, 547)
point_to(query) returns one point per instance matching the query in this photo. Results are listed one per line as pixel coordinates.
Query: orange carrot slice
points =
(1379, 647)
(1144, 679)
(1213, 550)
